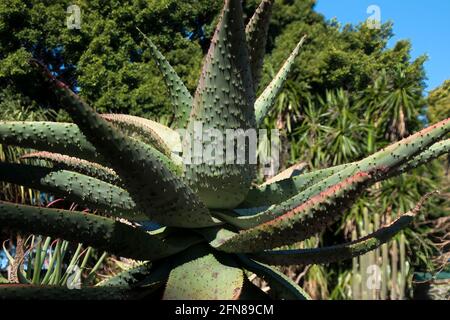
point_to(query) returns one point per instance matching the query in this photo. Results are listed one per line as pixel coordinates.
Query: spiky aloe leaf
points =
(99, 232)
(384, 161)
(166, 140)
(256, 33)
(301, 222)
(276, 192)
(266, 100)
(29, 292)
(85, 167)
(279, 191)
(202, 275)
(223, 102)
(281, 286)
(252, 292)
(216, 236)
(158, 193)
(74, 187)
(180, 97)
(148, 276)
(342, 251)
(435, 151)
(64, 138)
(128, 278)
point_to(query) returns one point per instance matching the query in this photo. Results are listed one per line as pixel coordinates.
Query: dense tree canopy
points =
(107, 58)
(439, 102)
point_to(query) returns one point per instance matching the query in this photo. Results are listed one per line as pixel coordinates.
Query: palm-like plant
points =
(215, 226)
(399, 94)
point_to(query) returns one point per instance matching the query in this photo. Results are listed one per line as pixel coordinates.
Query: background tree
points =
(439, 102)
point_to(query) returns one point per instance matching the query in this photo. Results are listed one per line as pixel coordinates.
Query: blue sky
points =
(425, 22)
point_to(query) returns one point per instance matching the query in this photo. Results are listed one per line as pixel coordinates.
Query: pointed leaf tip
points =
(179, 94)
(256, 32)
(266, 100)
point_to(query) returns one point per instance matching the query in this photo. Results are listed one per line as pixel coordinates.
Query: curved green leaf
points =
(179, 94)
(64, 138)
(99, 232)
(256, 34)
(281, 287)
(266, 100)
(301, 222)
(29, 292)
(384, 162)
(166, 140)
(343, 251)
(74, 187)
(279, 191)
(85, 167)
(128, 278)
(200, 274)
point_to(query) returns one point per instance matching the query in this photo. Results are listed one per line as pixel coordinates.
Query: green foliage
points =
(107, 57)
(44, 258)
(439, 102)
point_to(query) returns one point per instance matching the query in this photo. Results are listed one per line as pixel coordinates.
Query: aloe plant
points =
(216, 226)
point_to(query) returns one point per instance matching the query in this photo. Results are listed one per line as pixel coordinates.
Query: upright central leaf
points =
(223, 104)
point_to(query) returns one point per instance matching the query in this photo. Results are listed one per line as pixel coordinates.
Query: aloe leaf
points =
(435, 151)
(179, 94)
(281, 287)
(342, 251)
(279, 191)
(64, 138)
(200, 274)
(274, 192)
(84, 167)
(29, 292)
(145, 172)
(128, 278)
(150, 276)
(99, 232)
(74, 187)
(301, 222)
(384, 162)
(164, 139)
(256, 34)
(223, 102)
(266, 100)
